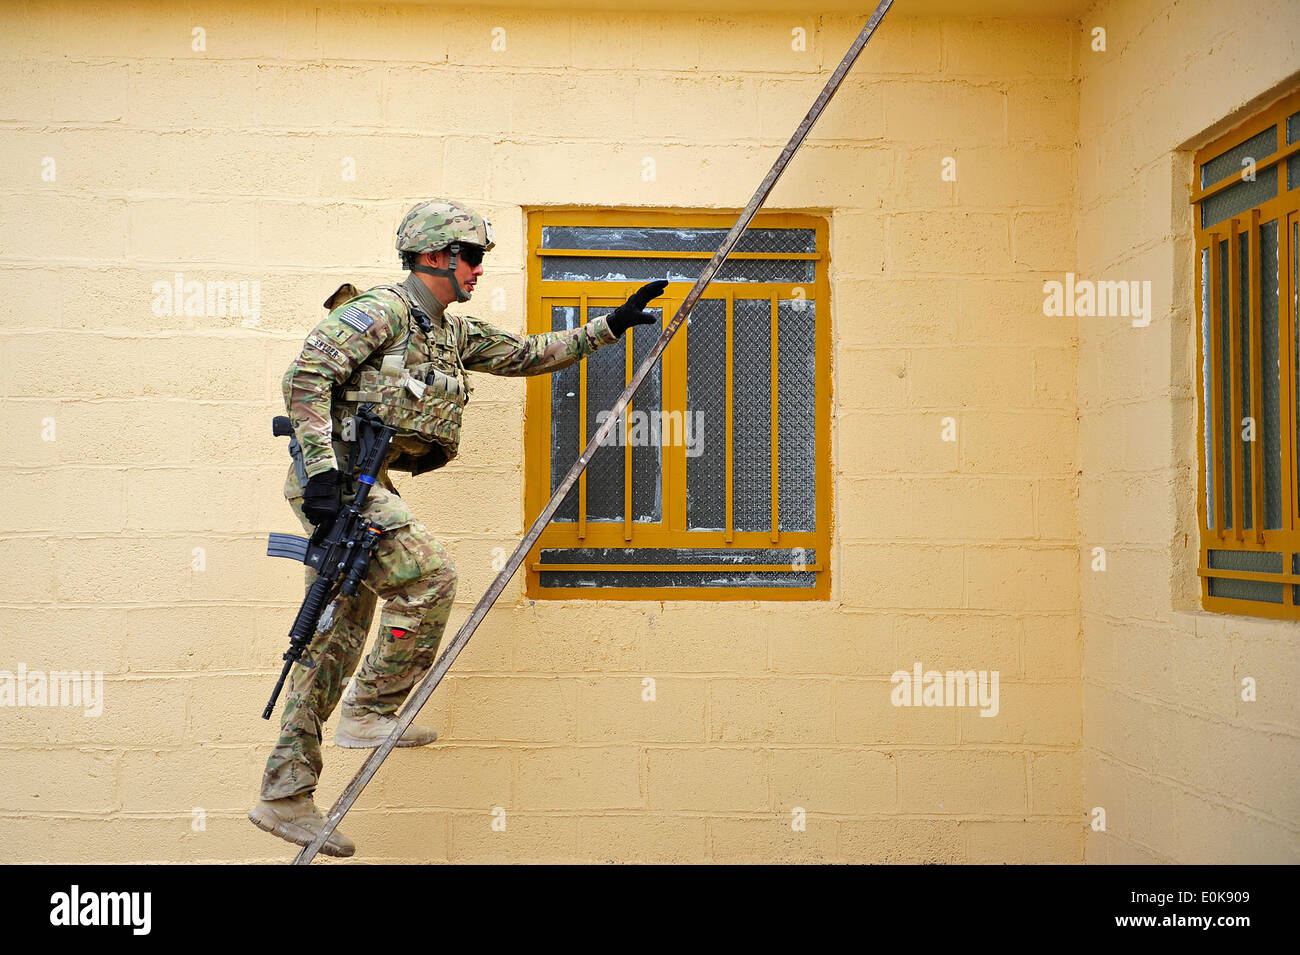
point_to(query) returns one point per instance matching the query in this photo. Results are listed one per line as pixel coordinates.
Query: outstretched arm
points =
(488, 348)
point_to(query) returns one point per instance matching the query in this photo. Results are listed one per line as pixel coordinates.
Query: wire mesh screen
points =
(751, 414)
(797, 414)
(593, 268)
(606, 378)
(797, 557)
(1258, 561)
(651, 239)
(605, 472)
(739, 574)
(564, 418)
(1226, 431)
(706, 402)
(1272, 374)
(647, 407)
(1260, 146)
(1239, 197)
(805, 579)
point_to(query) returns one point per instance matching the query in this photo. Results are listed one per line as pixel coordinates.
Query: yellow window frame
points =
(595, 299)
(1284, 207)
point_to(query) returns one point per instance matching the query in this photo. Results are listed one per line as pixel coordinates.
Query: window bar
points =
(730, 305)
(1215, 391)
(1257, 378)
(776, 513)
(1234, 376)
(1263, 576)
(582, 425)
(627, 445)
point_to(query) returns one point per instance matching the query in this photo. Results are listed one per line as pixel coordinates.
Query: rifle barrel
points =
(275, 694)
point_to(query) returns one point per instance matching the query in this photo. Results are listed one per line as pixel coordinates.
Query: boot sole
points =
(360, 742)
(280, 828)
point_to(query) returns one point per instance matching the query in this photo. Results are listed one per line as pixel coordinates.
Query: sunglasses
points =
(471, 255)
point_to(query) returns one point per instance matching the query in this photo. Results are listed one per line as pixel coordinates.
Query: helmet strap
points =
(449, 272)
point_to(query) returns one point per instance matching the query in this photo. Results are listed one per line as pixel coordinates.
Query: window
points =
(715, 485)
(1247, 206)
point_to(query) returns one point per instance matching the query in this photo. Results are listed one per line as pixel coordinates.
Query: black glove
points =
(631, 312)
(322, 498)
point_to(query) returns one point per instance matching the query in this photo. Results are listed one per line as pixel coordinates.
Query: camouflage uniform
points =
(397, 346)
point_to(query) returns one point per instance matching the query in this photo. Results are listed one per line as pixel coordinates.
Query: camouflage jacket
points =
(384, 346)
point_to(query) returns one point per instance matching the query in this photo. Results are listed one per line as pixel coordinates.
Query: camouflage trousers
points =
(417, 579)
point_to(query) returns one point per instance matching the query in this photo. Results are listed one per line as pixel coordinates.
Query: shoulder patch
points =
(357, 319)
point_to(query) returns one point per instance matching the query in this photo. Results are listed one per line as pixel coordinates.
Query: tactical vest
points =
(417, 384)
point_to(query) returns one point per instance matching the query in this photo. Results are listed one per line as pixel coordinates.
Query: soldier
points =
(398, 347)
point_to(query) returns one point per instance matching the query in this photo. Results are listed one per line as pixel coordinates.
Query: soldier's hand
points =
(632, 311)
(322, 498)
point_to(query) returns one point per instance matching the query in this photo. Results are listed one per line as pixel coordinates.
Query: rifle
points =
(341, 555)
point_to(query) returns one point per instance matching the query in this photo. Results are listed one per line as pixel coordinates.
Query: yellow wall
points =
(1186, 771)
(226, 165)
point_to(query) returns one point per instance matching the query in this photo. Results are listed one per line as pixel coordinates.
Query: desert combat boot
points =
(296, 819)
(361, 729)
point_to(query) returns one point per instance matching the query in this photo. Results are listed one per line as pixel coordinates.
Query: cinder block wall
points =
(142, 476)
(1185, 770)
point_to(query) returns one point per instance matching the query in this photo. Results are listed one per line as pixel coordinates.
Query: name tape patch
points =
(326, 347)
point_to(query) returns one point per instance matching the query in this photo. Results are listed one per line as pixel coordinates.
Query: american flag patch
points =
(357, 319)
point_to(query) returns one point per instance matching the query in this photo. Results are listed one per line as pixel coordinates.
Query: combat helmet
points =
(437, 224)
